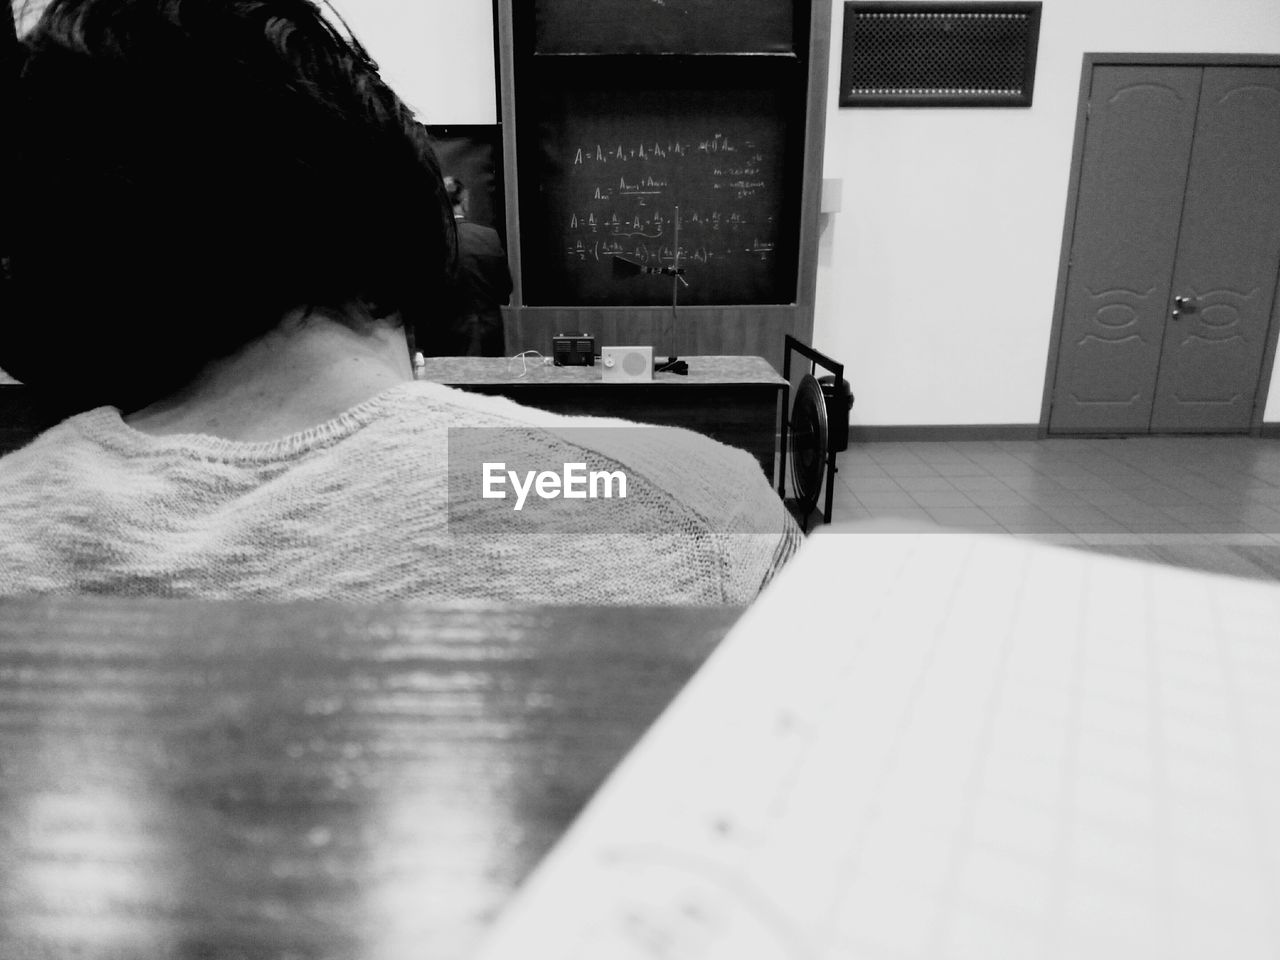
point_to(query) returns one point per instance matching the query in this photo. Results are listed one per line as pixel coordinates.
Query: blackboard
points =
(664, 26)
(608, 168)
(473, 154)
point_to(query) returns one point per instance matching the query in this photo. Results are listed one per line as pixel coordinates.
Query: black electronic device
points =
(573, 350)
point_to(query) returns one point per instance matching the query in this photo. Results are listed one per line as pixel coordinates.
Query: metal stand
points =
(674, 364)
(623, 267)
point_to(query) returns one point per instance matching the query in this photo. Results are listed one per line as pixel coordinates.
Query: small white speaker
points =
(626, 363)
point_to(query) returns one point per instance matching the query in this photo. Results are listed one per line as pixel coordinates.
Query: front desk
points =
(731, 399)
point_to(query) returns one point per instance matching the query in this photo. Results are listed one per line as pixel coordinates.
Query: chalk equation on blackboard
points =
(739, 169)
(622, 197)
(718, 143)
(642, 252)
(611, 190)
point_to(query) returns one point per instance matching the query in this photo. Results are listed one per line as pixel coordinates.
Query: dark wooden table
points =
(732, 399)
(216, 781)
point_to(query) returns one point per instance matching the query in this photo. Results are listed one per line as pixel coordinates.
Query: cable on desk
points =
(524, 366)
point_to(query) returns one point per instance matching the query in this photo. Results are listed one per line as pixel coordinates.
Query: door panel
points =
(1228, 257)
(1138, 142)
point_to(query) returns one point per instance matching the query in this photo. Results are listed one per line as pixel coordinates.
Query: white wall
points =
(936, 280)
(436, 54)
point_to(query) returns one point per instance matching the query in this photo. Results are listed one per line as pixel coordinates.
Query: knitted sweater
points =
(359, 509)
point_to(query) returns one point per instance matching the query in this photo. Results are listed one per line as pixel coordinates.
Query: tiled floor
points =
(1210, 502)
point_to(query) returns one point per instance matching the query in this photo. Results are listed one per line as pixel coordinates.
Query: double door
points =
(1175, 251)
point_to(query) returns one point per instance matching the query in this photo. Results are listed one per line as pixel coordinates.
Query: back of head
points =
(188, 171)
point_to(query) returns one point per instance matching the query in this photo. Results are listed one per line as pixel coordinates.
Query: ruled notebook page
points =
(945, 746)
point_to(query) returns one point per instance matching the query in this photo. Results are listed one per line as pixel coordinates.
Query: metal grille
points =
(939, 54)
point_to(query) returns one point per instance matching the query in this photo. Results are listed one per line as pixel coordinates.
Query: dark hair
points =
(188, 171)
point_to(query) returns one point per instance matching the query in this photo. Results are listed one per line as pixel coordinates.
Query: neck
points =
(304, 372)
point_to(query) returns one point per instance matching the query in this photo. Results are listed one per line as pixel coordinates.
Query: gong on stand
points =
(810, 440)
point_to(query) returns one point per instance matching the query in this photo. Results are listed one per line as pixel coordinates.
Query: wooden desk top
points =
(475, 371)
(199, 780)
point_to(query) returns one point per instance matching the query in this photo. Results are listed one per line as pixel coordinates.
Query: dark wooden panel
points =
(200, 780)
(677, 26)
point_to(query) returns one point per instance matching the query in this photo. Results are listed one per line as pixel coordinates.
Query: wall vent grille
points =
(939, 54)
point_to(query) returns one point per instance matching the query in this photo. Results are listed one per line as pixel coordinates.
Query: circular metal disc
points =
(809, 432)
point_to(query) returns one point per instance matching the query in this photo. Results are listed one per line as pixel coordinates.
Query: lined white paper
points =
(945, 746)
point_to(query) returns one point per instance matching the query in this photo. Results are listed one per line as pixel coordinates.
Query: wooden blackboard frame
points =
(747, 329)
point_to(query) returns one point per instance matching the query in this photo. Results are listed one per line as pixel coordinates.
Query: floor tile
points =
(919, 484)
(967, 517)
(1071, 514)
(1049, 496)
(1163, 496)
(1156, 526)
(1201, 512)
(910, 518)
(1016, 514)
(997, 498)
(1136, 513)
(983, 482)
(860, 467)
(859, 484)
(1199, 502)
(1061, 539)
(1101, 528)
(1035, 526)
(909, 468)
(885, 499)
(1219, 526)
(1085, 482)
(941, 498)
(965, 468)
